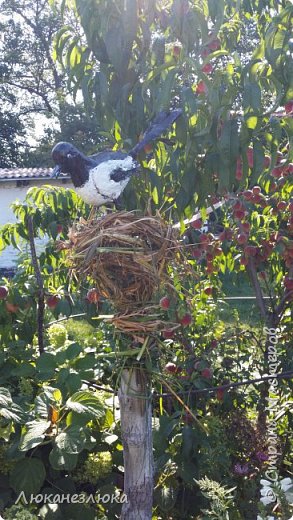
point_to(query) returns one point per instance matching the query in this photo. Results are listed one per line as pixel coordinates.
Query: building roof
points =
(22, 174)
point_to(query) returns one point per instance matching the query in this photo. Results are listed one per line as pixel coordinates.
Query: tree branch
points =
(41, 299)
(283, 375)
(285, 301)
(257, 288)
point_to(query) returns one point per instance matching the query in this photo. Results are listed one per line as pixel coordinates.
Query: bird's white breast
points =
(100, 188)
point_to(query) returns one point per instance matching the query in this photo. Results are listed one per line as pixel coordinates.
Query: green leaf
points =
(13, 413)
(163, 99)
(87, 403)
(115, 45)
(46, 364)
(62, 460)
(72, 440)
(28, 475)
(251, 122)
(34, 434)
(73, 351)
(252, 98)
(5, 397)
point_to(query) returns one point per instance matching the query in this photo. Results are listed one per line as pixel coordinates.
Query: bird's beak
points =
(56, 172)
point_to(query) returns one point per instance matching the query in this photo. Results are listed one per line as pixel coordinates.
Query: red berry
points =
(277, 172)
(201, 88)
(289, 107)
(208, 291)
(244, 261)
(256, 190)
(53, 300)
(288, 282)
(196, 224)
(242, 238)
(11, 307)
(168, 334)
(93, 295)
(186, 320)
(267, 161)
(207, 68)
(239, 169)
(207, 373)
(165, 302)
(172, 368)
(3, 292)
(220, 394)
(248, 194)
(249, 155)
(213, 343)
(215, 44)
(282, 205)
(239, 214)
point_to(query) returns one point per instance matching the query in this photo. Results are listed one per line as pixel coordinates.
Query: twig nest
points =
(125, 254)
(144, 321)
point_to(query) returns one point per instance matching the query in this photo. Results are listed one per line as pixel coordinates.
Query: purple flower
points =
(241, 469)
(261, 456)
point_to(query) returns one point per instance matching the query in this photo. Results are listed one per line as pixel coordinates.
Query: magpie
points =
(101, 178)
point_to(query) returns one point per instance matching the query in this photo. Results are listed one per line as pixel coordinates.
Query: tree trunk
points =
(136, 428)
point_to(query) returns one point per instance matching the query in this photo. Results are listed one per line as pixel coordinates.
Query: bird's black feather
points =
(119, 175)
(156, 129)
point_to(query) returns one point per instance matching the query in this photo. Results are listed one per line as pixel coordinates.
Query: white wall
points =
(9, 193)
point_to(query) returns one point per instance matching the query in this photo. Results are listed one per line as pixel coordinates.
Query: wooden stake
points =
(136, 428)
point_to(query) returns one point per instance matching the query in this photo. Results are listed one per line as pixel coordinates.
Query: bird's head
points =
(64, 156)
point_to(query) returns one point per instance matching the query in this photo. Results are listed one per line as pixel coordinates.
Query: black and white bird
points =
(101, 178)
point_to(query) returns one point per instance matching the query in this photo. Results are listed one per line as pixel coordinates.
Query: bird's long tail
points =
(158, 126)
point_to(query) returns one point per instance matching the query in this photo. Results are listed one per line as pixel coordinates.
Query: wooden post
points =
(136, 428)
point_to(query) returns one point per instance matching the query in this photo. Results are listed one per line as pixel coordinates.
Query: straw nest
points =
(126, 255)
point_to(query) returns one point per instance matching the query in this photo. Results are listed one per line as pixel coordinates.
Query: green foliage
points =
(50, 415)
(220, 498)
(28, 475)
(97, 466)
(19, 513)
(133, 59)
(57, 335)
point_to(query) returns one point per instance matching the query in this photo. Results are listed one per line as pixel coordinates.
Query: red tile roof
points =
(15, 174)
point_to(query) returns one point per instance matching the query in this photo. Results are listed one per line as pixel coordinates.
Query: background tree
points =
(11, 138)
(34, 87)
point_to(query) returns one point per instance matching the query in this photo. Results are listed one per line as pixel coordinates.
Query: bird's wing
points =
(158, 126)
(108, 155)
(119, 174)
